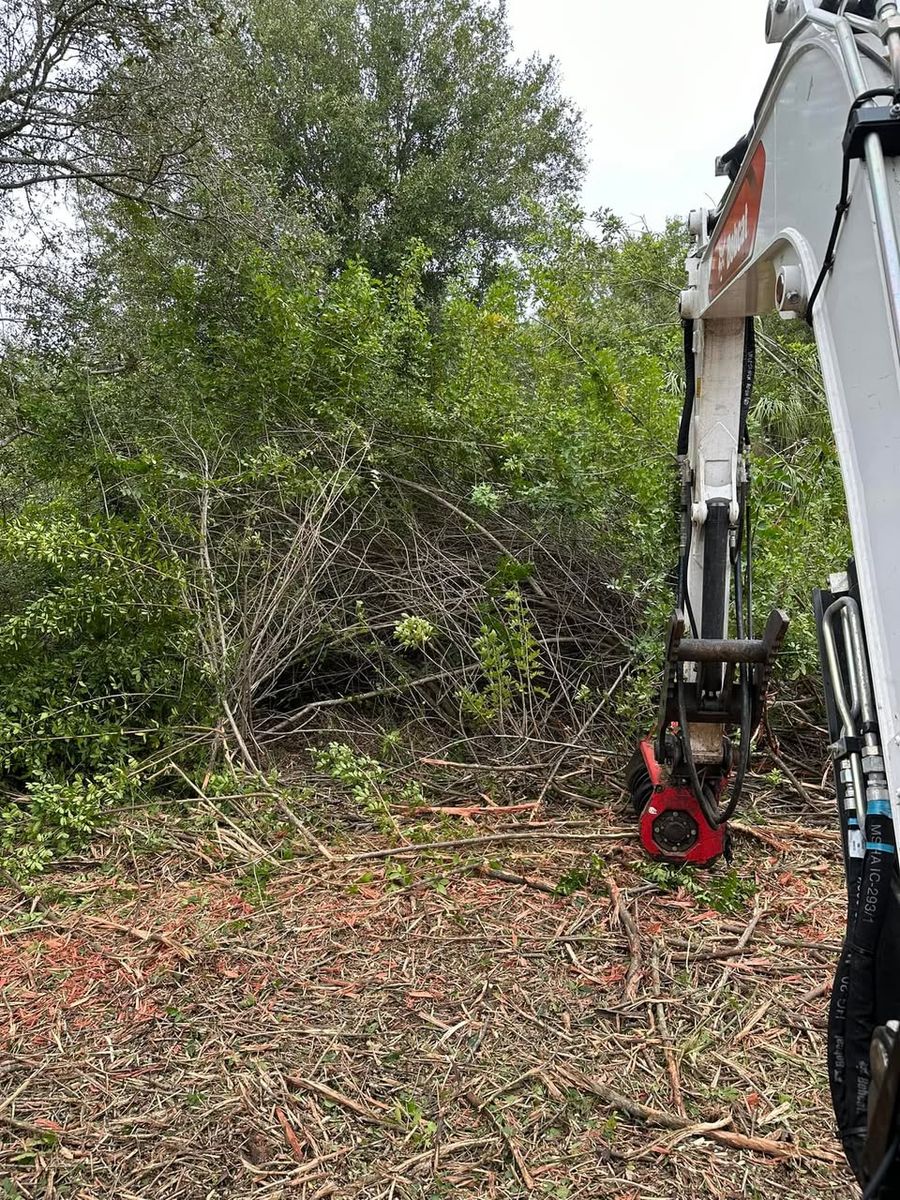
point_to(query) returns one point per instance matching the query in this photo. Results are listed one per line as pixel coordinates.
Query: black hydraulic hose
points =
(744, 760)
(841, 210)
(746, 706)
(860, 968)
(684, 439)
(685, 566)
(748, 583)
(878, 1179)
(748, 377)
(702, 799)
(843, 204)
(690, 389)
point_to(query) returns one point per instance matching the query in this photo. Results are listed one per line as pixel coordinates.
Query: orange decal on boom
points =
(736, 235)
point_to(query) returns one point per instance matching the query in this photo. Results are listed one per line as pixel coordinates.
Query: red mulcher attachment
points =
(678, 788)
(672, 823)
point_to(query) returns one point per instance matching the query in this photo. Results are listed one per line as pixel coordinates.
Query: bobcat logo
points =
(736, 234)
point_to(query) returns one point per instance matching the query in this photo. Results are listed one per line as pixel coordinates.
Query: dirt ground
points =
(189, 1013)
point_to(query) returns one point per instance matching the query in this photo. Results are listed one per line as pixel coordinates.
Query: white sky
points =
(665, 86)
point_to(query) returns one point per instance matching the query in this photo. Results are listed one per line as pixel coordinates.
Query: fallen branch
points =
(663, 1120)
(791, 831)
(485, 840)
(522, 769)
(629, 925)
(662, 1025)
(468, 519)
(789, 774)
(772, 750)
(759, 835)
(142, 935)
(426, 1157)
(35, 1129)
(328, 1093)
(539, 885)
(290, 1135)
(824, 989)
(290, 723)
(755, 1019)
(557, 766)
(704, 1129)
(508, 1140)
(465, 812)
(305, 833)
(245, 841)
(731, 951)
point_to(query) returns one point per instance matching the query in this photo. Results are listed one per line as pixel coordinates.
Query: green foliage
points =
(367, 782)
(410, 1114)
(389, 120)
(486, 497)
(362, 776)
(398, 876)
(726, 892)
(55, 818)
(99, 672)
(509, 657)
(590, 877)
(95, 642)
(281, 405)
(414, 633)
(253, 885)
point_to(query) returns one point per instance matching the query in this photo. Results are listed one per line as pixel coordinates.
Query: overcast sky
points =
(665, 86)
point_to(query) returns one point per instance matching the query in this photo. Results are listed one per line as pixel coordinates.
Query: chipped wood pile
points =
(513, 1010)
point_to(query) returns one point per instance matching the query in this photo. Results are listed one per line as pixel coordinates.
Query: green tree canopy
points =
(393, 120)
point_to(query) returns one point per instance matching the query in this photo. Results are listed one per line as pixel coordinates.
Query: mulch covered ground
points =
(524, 1017)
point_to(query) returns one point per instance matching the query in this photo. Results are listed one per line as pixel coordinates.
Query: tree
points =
(360, 125)
(85, 113)
(394, 120)
(72, 75)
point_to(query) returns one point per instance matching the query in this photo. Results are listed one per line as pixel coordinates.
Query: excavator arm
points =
(809, 227)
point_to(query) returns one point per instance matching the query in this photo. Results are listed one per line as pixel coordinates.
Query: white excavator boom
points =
(809, 227)
(766, 251)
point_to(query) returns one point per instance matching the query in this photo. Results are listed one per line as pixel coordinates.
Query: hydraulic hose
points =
(878, 1180)
(709, 810)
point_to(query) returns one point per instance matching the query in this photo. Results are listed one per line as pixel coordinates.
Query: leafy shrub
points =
(289, 469)
(366, 780)
(55, 818)
(509, 657)
(99, 671)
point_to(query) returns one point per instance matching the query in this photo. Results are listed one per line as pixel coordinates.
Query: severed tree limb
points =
(142, 935)
(539, 885)
(759, 835)
(542, 835)
(508, 1140)
(327, 1093)
(290, 723)
(664, 1120)
(468, 519)
(557, 766)
(740, 945)
(663, 1027)
(629, 925)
